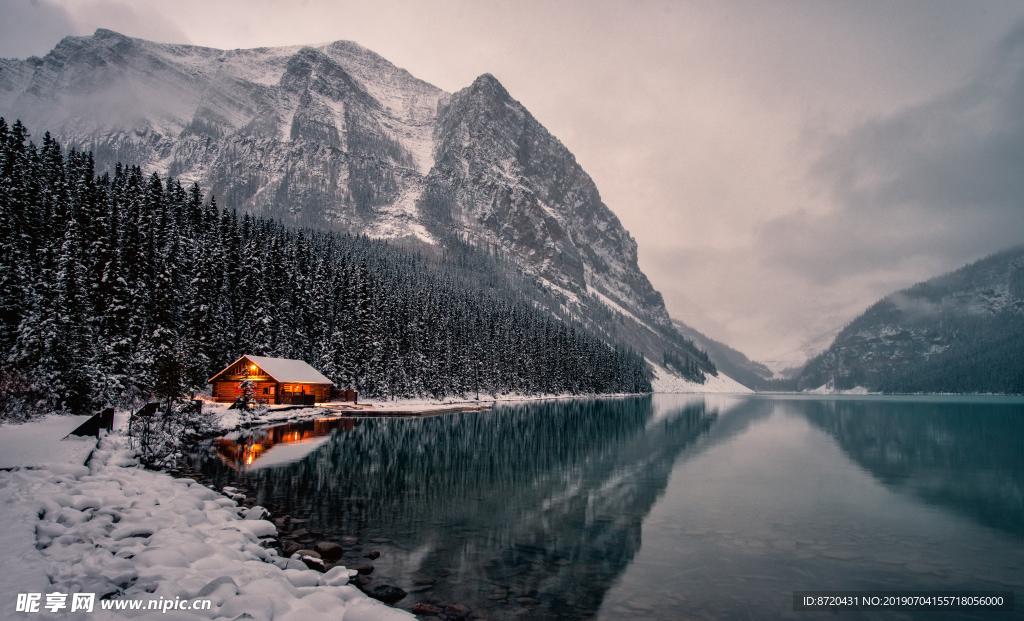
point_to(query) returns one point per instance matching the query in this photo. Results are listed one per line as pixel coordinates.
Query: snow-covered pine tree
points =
(150, 287)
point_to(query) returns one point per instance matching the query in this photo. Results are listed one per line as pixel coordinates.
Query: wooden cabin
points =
(277, 381)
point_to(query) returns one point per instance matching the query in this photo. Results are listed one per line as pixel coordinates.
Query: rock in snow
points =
(125, 533)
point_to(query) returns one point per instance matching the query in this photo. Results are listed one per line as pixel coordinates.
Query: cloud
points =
(936, 184)
(32, 27)
(144, 20)
(914, 308)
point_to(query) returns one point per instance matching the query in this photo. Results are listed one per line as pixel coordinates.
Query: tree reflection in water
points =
(535, 505)
(963, 456)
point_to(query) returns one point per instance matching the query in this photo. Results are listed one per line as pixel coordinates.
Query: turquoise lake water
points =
(666, 507)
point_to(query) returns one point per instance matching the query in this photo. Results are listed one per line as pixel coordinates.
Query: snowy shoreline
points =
(83, 516)
(119, 530)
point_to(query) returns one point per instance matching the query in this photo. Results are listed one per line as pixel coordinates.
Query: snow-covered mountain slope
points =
(732, 362)
(330, 134)
(960, 332)
(666, 381)
(333, 135)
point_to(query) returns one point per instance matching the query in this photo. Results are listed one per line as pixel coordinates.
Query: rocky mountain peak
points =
(334, 135)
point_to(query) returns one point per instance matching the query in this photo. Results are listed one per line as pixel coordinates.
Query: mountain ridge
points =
(335, 136)
(960, 332)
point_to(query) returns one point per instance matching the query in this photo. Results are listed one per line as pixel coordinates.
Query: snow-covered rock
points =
(125, 533)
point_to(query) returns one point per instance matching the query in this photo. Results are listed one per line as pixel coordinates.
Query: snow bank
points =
(123, 532)
(825, 389)
(665, 381)
(39, 442)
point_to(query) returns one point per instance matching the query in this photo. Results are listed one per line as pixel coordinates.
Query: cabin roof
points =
(283, 370)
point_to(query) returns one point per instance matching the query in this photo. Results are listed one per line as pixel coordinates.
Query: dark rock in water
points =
(386, 593)
(456, 612)
(289, 549)
(307, 552)
(300, 533)
(456, 609)
(329, 551)
(365, 569)
(362, 582)
(372, 555)
(314, 563)
(316, 534)
(349, 542)
(425, 609)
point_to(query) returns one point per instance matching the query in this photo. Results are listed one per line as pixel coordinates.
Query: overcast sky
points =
(782, 165)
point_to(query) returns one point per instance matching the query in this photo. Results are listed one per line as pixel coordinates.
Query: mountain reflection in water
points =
(537, 510)
(963, 456)
(539, 502)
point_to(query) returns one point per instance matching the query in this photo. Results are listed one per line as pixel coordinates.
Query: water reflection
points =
(251, 448)
(535, 507)
(544, 511)
(963, 456)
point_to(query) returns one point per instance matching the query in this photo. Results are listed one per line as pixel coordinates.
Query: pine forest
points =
(121, 286)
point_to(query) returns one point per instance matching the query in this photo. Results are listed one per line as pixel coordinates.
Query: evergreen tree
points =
(124, 287)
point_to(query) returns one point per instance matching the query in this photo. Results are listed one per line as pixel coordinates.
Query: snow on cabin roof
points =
(286, 370)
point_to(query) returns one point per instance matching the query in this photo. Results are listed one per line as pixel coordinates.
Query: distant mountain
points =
(732, 362)
(334, 136)
(958, 333)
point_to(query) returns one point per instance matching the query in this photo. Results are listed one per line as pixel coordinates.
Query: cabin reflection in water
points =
(244, 450)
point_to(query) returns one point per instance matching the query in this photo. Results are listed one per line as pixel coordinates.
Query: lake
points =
(661, 507)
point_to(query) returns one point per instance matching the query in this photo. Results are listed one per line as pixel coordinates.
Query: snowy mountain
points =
(732, 362)
(961, 332)
(334, 136)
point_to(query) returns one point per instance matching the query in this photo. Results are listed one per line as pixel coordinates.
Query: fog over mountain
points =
(961, 332)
